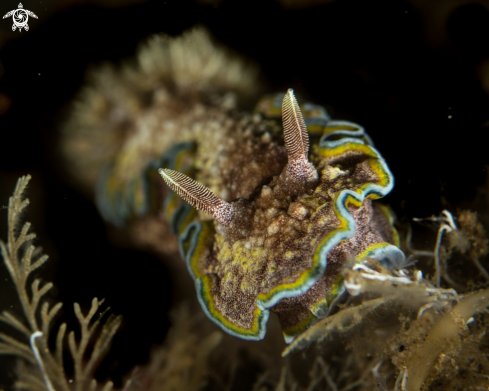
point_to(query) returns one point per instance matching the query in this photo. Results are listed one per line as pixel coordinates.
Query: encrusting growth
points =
(199, 196)
(296, 140)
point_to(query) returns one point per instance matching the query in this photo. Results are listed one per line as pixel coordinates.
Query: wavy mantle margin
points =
(193, 241)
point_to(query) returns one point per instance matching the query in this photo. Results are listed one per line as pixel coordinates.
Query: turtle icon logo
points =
(20, 16)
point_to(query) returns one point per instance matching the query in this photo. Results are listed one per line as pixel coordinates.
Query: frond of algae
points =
(47, 370)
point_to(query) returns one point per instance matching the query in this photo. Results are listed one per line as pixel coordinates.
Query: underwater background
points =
(415, 74)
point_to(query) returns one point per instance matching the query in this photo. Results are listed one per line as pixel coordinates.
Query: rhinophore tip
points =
(199, 196)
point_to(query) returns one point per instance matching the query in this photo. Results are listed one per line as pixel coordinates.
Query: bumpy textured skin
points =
(286, 246)
(286, 249)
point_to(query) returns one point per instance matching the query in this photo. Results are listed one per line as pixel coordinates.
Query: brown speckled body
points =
(282, 198)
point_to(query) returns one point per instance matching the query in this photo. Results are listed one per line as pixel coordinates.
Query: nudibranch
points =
(283, 246)
(285, 218)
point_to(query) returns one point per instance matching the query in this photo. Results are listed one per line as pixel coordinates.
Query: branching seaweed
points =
(21, 259)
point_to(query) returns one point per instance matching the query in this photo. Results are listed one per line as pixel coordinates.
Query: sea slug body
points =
(285, 193)
(282, 249)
